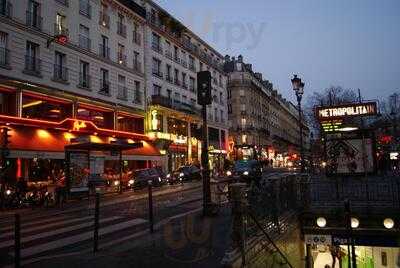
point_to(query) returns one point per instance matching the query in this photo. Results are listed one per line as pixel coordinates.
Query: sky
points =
(348, 43)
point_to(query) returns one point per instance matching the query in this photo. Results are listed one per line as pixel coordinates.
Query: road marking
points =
(55, 232)
(27, 230)
(60, 243)
(25, 222)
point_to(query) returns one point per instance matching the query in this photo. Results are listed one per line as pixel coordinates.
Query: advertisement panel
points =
(79, 164)
(350, 156)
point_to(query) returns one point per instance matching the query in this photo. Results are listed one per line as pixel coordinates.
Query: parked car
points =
(139, 178)
(184, 173)
(246, 170)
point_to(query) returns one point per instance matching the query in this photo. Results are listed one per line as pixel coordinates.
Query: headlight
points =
(229, 173)
(159, 179)
(181, 174)
(130, 182)
(46, 194)
(246, 173)
(116, 183)
(180, 179)
(168, 176)
(8, 192)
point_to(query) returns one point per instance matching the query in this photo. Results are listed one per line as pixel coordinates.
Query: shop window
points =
(130, 124)
(156, 121)
(384, 258)
(176, 126)
(8, 103)
(45, 109)
(102, 119)
(38, 169)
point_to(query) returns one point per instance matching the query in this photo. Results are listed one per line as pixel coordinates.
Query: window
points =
(192, 84)
(243, 107)
(184, 99)
(122, 91)
(201, 66)
(184, 81)
(222, 116)
(104, 82)
(221, 98)
(191, 63)
(33, 17)
(121, 55)
(384, 258)
(32, 61)
(136, 34)
(156, 90)
(130, 124)
(85, 8)
(176, 53)
(60, 71)
(157, 67)
(4, 53)
(61, 25)
(243, 122)
(104, 49)
(176, 77)
(136, 62)
(241, 93)
(216, 114)
(103, 119)
(84, 40)
(169, 93)
(138, 95)
(156, 42)
(104, 19)
(121, 27)
(36, 107)
(84, 77)
(169, 78)
(177, 97)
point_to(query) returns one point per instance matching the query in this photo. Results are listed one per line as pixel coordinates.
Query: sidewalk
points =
(185, 240)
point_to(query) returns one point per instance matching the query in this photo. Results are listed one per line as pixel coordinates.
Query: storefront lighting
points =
(181, 174)
(81, 110)
(95, 133)
(68, 136)
(56, 111)
(8, 192)
(321, 222)
(388, 223)
(354, 223)
(44, 134)
(131, 182)
(229, 173)
(346, 129)
(163, 152)
(33, 103)
(246, 173)
(98, 117)
(116, 183)
(323, 164)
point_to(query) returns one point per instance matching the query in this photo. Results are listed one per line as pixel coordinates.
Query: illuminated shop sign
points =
(351, 110)
(169, 136)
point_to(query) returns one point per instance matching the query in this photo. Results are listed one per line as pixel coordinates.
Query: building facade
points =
(260, 117)
(72, 70)
(173, 56)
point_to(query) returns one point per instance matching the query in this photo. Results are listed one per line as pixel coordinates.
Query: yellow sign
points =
(350, 110)
(78, 125)
(178, 139)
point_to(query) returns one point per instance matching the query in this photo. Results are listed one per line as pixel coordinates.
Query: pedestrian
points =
(21, 188)
(60, 190)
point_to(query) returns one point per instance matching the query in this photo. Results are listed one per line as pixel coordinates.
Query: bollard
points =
(151, 219)
(96, 224)
(17, 240)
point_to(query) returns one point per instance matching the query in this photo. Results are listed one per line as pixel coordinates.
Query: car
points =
(185, 173)
(140, 178)
(246, 170)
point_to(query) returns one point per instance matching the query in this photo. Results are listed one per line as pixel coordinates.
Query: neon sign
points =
(351, 110)
(78, 125)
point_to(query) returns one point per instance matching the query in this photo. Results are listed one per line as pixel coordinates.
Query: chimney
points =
(240, 58)
(258, 76)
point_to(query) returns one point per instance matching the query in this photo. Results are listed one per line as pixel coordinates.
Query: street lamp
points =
(298, 87)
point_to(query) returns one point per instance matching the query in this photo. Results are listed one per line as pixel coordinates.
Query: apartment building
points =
(259, 116)
(174, 55)
(72, 69)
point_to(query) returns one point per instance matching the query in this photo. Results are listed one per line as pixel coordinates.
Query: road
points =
(51, 232)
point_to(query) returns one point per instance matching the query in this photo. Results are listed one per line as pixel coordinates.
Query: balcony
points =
(177, 82)
(85, 42)
(84, 81)
(6, 9)
(137, 66)
(121, 29)
(33, 65)
(60, 29)
(121, 59)
(157, 73)
(4, 57)
(137, 38)
(122, 93)
(85, 8)
(184, 63)
(63, 2)
(161, 100)
(104, 87)
(104, 20)
(60, 73)
(168, 54)
(104, 51)
(34, 20)
(157, 48)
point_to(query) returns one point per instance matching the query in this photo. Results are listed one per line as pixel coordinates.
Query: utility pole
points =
(204, 99)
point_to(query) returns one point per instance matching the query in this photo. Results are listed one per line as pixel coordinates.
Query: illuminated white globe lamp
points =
(354, 223)
(321, 222)
(388, 223)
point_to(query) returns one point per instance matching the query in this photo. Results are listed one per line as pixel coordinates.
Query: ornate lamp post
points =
(298, 87)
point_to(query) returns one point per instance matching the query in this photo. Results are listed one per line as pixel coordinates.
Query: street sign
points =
(204, 88)
(318, 239)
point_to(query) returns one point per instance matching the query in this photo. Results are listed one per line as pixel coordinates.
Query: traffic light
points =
(204, 88)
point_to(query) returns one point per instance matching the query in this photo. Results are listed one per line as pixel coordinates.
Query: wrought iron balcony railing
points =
(122, 92)
(85, 8)
(33, 65)
(34, 20)
(85, 42)
(104, 51)
(60, 73)
(105, 87)
(84, 80)
(4, 57)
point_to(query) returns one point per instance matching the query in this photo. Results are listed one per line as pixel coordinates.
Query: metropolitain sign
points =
(349, 110)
